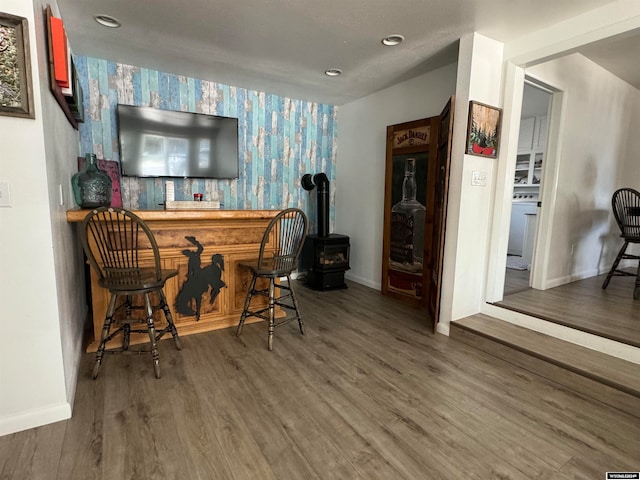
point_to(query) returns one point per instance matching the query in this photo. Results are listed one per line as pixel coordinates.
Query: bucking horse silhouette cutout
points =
(199, 281)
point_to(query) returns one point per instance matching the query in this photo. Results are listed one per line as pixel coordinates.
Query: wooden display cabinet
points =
(409, 209)
(415, 209)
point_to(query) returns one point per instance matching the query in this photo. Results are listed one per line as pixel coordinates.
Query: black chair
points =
(279, 251)
(122, 250)
(626, 210)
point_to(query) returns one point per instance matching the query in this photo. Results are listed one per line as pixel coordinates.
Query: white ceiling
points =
(284, 46)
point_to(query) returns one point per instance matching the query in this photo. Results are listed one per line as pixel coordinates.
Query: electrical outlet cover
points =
(5, 194)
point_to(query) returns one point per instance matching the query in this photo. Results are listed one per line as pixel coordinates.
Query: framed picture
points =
(483, 130)
(16, 94)
(60, 51)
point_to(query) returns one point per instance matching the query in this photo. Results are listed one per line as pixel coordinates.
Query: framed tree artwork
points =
(16, 94)
(483, 130)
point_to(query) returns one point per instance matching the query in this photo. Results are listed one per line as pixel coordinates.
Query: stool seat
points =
(145, 279)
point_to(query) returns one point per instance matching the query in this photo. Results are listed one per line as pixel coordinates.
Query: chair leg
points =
(272, 306)
(169, 318)
(126, 332)
(247, 303)
(615, 265)
(126, 336)
(103, 336)
(152, 335)
(295, 306)
(636, 290)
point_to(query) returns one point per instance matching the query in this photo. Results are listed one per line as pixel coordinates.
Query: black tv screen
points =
(164, 143)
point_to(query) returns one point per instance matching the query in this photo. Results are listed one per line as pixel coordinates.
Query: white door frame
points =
(514, 86)
(548, 188)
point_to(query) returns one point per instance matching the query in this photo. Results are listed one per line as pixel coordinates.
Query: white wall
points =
(361, 151)
(62, 148)
(469, 210)
(630, 163)
(598, 155)
(39, 299)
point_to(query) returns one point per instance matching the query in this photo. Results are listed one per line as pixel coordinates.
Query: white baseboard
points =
(362, 281)
(35, 418)
(443, 328)
(574, 277)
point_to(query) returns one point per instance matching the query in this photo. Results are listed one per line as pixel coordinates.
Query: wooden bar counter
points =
(227, 238)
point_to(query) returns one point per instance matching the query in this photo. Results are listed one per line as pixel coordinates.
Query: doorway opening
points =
(527, 186)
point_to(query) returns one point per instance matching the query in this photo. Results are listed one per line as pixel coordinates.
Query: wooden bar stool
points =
(626, 210)
(279, 251)
(122, 250)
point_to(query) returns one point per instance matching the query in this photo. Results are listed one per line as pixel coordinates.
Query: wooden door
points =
(443, 160)
(408, 211)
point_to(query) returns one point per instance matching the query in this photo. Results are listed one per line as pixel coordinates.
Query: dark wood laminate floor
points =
(583, 305)
(368, 393)
(516, 281)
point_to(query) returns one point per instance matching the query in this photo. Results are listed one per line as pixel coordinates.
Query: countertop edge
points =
(77, 215)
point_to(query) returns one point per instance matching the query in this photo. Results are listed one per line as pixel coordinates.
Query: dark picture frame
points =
(16, 91)
(53, 85)
(483, 130)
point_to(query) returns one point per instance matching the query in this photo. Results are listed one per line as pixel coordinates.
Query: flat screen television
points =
(164, 143)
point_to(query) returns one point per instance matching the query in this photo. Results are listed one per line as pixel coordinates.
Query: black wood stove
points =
(325, 256)
(325, 259)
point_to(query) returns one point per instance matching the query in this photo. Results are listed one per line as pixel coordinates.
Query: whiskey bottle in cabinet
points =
(407, 224)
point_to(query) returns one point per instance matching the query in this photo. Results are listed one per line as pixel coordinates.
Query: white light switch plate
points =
(479, 179)
(5, 194)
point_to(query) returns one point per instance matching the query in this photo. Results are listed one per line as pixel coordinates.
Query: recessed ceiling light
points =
(107, 21)
(393, 40)
(333, 72)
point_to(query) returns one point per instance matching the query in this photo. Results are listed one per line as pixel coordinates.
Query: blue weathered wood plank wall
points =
(280, 138)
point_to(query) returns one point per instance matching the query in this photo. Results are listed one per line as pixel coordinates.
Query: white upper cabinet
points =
(525, 140)
(533, 134)
(540, 134)
(528, 170)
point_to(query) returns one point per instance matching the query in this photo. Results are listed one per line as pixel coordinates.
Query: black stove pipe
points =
(321, 183)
